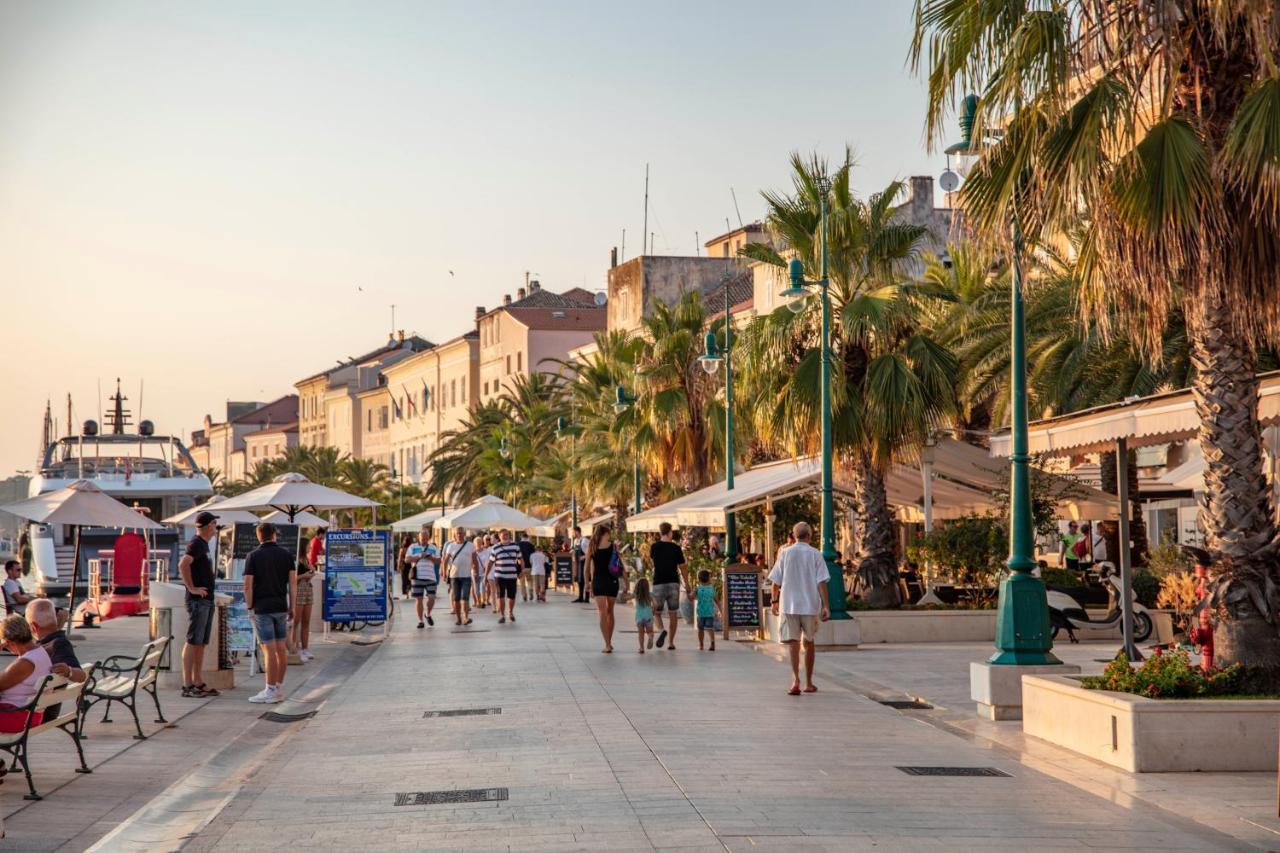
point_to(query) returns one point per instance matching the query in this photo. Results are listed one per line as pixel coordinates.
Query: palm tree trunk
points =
(1235, 512)
(877, 562)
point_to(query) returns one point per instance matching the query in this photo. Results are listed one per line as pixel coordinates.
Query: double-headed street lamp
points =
(563, 426)
(622, 401)
(797, 293)
(1022, 615)
(711, 360)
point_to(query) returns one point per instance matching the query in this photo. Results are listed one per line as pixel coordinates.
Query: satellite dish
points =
(601, 298)
(949, 181)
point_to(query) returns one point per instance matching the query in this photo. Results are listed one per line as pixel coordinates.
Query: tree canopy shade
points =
(1155, 126)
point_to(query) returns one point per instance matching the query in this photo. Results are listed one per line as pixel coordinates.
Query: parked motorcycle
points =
(1066, 609)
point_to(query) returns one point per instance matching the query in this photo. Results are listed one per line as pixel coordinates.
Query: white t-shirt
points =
(11, 587)
(798, 570)
(424, 569)
(1099, 548)
(537, 563)
(457, 557)
(483, 556)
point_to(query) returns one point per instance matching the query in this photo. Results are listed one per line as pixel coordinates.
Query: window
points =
(508, 365)
(255, 451)
(426, 398)
(486, 389)
(519, 359)
(369, 420)
(453, 392)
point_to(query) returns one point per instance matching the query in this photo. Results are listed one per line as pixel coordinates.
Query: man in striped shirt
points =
(508, 562)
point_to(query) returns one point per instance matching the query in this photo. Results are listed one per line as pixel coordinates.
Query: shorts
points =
(421, 588)
(644, 624)
(666, 596)
(270, 627)
(461, 589)
(13, 721)
(706, 623)
(200, 621)
(795, 624)
(506, 587)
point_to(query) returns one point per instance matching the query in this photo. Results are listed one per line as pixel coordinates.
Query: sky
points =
(211, 201)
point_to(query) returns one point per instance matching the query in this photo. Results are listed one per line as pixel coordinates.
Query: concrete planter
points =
(1144, 735)
(926, 626)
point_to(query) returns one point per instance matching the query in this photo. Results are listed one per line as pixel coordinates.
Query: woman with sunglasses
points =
(21, 680)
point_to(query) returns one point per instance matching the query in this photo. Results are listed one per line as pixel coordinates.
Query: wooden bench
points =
(120, 678)
(53, 690)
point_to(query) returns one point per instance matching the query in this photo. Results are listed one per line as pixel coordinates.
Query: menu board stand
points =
(740, 599)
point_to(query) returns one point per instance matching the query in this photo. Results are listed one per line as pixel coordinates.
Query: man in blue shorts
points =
(424, 560)
(460, 562)
(271, 591)
(196, 570)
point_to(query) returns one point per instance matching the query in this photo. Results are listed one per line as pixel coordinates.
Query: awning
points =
(965, 479)
(1143, 421)
(413, 523)
(548, 527)
(1189, 475)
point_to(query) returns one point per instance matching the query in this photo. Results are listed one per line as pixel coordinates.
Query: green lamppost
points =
(562, 426)
(1022, 615)
(797, 294)
(711, 360)
(621, 402)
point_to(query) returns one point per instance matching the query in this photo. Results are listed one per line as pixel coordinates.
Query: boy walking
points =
(708, 608)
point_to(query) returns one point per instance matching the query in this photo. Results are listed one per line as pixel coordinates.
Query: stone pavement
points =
(684, 750)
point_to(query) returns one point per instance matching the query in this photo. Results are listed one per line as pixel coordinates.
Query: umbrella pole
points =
(71, 600)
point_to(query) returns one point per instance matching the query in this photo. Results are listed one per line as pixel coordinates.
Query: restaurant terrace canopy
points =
(413, 523)
(965, 479)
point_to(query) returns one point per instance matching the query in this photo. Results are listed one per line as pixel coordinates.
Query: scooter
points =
(1066, 611)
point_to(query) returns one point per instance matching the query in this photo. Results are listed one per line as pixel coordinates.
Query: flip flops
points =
(811, 689)
(794, 691)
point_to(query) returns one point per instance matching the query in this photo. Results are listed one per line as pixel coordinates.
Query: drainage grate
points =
(953, 771)
(906, 704)
(470, 795)
(463, 712)
(277, 717)
(470, 630)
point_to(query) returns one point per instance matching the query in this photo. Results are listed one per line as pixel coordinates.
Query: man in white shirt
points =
(425, 560)
(460, 562)
(799, 579)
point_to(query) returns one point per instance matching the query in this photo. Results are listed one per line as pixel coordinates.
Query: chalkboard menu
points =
(742, 597)
(564, 570)
(246, 539)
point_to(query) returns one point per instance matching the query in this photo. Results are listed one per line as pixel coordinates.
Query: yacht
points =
(153, 473)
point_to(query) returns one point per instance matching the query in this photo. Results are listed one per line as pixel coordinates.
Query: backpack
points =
(1081, 548)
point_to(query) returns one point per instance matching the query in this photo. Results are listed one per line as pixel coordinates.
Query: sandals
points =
(811, 689)
(206, 690)
(794, 691)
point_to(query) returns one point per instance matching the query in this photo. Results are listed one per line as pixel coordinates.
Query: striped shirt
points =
(507, 560)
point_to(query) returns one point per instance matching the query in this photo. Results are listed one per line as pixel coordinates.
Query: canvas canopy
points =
(302, 519)
(81, 504)
(292, 493)
(213, 505)
(413, 523)
(489, 513)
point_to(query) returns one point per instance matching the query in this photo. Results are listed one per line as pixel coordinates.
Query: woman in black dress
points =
(601, 557)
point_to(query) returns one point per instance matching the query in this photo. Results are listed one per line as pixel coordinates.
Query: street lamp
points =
(710, 360)
(798, 294)
(562, 426)
(503, 450)
(621, 402)
(1022, 615)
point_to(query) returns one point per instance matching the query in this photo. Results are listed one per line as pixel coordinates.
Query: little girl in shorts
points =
(644, 613)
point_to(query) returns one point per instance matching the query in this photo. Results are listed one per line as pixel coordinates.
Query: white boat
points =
(153, 473)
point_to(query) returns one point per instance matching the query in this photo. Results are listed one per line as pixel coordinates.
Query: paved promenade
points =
(685, 750)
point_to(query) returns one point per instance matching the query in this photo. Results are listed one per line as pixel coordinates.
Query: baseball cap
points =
(204, 518)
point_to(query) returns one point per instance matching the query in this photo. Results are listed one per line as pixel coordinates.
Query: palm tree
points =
(324, 465)
(893, 382)
(459, 468)
(1155, 125)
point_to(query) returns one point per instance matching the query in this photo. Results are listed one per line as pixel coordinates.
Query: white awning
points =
(1158, 419)
(413, 523)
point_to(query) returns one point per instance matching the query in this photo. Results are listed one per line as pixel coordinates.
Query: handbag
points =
(615, 563)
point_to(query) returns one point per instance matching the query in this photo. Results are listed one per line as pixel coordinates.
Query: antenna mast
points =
(735, 206)
(645, 230)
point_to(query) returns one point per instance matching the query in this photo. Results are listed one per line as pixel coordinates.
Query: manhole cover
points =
(905, 704)
(953, 771)
(464, 712)
(277, 717)
(470, 630)
(470, 795)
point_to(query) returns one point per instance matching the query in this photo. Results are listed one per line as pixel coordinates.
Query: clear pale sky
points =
(217, 199)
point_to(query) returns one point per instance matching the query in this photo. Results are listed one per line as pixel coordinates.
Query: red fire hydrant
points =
(1202, 634)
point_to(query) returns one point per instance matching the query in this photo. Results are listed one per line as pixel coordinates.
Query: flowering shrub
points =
(1167, 675)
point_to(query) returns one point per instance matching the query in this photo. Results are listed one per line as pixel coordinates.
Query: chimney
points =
(519, 293)
(506, 299)
(921, 196)
(400, 336)
(479, 311)
(613, 257)
(535, 285)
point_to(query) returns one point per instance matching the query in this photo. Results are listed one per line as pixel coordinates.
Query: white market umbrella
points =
(293, 493)
(302, 519)
(414, 523)
(80, 504)
(489, 513)
(214, 505)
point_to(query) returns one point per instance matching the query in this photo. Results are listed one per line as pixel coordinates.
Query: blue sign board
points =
(355, 575)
